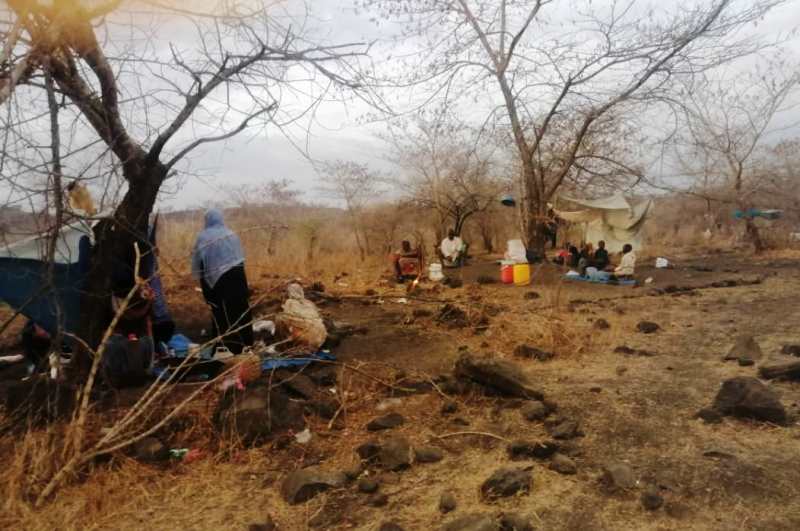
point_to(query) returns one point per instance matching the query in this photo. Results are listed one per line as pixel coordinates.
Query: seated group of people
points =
(590, 262)
(407, 262)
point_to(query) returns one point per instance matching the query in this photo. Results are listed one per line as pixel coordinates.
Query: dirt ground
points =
(634, 409)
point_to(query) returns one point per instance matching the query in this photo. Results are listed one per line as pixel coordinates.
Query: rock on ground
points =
(532, 353)
(651, 499)
(386, 422)
(473, 522)
(500, 376)
(390, 526)
(515, 522)
(368, 485)
(255, 414)
(395, 454)
(428, 454)
(302, 485)
(534, 410)
(565, 429)
(506, 482)
(150, 450)
(522, 449)
(748, 397)
(647, 327)
(562, 464)
(617, 477)
(447, 502)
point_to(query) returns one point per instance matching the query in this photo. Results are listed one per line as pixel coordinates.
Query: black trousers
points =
(230, 308)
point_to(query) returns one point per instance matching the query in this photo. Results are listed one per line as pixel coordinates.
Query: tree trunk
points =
(115, 238)
(753, 235)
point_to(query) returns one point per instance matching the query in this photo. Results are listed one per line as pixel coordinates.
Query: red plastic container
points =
(507, 273)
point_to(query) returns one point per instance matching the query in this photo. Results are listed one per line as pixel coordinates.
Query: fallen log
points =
(783, 370)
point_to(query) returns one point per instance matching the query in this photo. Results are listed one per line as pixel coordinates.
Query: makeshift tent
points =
(612, 219)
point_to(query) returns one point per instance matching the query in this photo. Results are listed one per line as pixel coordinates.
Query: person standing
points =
(218, 263)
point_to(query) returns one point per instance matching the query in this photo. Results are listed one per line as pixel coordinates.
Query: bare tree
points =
(443, 169)
(148, 111)
(533, 67)
(355, 185)
(725, 148)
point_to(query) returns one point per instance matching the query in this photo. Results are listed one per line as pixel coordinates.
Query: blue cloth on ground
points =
(216, 251)
(279, 363)
(618, 282)
(179, 343)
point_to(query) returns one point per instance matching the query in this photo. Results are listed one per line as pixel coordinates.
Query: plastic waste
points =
(302, 318)
(662, 263)
(303, 437)
(264, 325)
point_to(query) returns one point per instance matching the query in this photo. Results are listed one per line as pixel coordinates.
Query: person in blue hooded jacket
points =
(218, 263)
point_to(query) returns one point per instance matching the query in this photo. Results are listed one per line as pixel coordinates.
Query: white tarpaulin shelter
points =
(613, 219)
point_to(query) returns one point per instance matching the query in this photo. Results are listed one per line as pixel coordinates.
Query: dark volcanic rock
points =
(449, 408)
(601, 324)
(473, 522)
(150, 450)
(647, 327)
(378, 500)
(390, 526)
(302, 485)
(534, 410)
(746, 350)
(428, 454)
(452, 316)
(386, 422)
(791, 350)
(506, 482)
(747, 397)
(521, 449)
(563, 464)
(515, 522)
(255, 414)
(617, 477)
(709, 415)
(368, 485)
(532, 353)
(500, 376)
(395, 454)
(565, 429)
(447, 502)
(369, 450)
(651, 499)
(746, 362)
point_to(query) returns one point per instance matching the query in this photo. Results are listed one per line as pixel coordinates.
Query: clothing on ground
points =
(229, 299)
(216, 251)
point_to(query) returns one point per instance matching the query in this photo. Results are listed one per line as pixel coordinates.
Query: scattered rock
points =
(563, 464)
(628, 351)
(150, 450)
(255, 414)
(500, 376)
(651, 499)
(748, 397)
(452, 316)
(521, 449)
(515, 522)
(791, 350)
(368, 485)
(302, 485)
(378, 500)
(532, 353)
(369, 450)
(595, 389)
(709, 415)
(269, 525)
(395, 454)
(746, 350)
(447, 502)
(601, 324)
(428, 454)
(448, 408)
(647, 327)
(617, 477)
(565, 429)
(532, 295)
(353, 471)
(534, 410)
(506, 482)
(473, 522)
(390, 526)
(386, 422)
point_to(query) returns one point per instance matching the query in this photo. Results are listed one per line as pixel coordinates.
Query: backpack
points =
(126, 361)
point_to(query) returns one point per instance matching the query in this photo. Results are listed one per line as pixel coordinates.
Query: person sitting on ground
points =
(406, 252)
(585, 258)
(563, 256)
(627, 265)
(600, 259)
(452, 250)
(218, 263)
(574, 256)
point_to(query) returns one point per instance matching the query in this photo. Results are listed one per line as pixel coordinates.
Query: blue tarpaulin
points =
(751, 213)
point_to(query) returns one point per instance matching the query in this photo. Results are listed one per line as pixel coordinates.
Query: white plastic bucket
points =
(435, 272)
